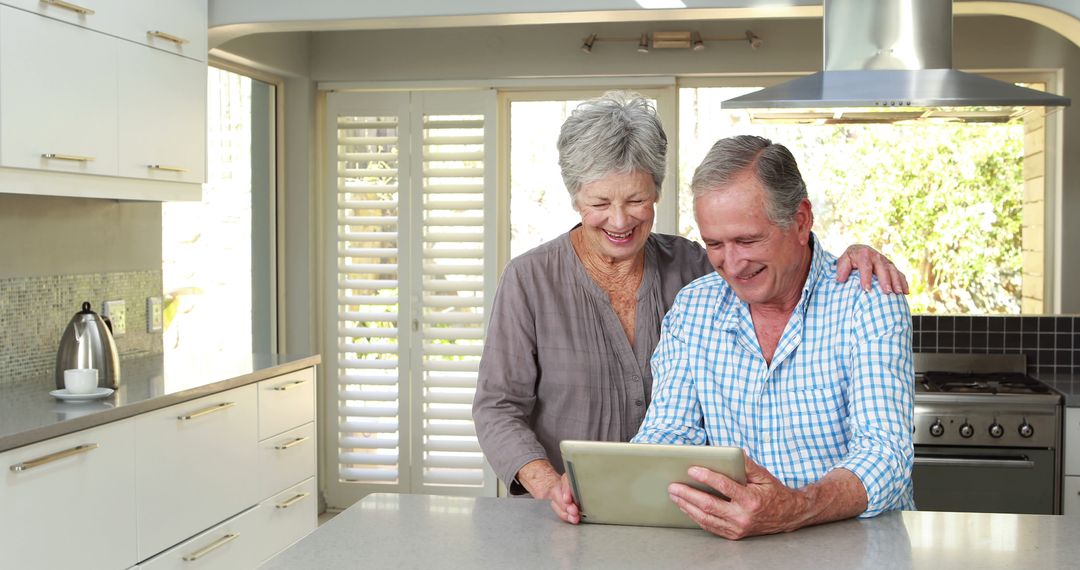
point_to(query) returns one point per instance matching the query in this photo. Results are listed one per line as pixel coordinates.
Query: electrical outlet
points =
(154, 320)
(117, 313)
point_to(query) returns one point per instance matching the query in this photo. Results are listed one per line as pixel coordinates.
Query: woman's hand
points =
(871, 263)
(543, 482)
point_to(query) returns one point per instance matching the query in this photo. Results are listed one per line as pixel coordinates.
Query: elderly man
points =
(812, 378)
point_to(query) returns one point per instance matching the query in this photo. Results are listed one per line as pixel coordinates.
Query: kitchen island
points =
(422, 531)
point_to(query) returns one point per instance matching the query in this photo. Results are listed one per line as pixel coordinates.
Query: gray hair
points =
(618, 132)
(771, 163)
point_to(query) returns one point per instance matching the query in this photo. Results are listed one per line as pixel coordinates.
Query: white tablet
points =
(627, 483)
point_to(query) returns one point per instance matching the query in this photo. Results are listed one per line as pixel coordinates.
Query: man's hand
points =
(543, 482)
(765, 505)
(871, 263)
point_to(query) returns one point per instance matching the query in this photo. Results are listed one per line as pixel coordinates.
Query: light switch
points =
(117, 313)
(153, 314)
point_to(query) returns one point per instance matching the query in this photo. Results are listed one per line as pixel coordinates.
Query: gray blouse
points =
(557, 364)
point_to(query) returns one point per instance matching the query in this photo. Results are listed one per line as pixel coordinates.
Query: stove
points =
(987, 436)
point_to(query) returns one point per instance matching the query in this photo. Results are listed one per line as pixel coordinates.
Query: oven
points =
(987, 436)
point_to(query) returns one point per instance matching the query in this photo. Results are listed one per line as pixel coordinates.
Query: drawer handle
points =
(292, 443)
(211, 547)
(290, 385)
(166, 168)
(210, 410)
(71, 157)
(27, 465)
(69, 6)
(293, 501)
(167, 37)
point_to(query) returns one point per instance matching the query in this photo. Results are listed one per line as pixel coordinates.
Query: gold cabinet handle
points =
(167, 37)
(166, 168)
(289, 385)
(69, 6)
(27, 465)
(292, 443)
(211, 547)
(72, 157)
(293, 501)
(204, 411)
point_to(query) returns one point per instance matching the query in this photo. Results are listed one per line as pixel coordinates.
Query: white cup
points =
(80, 380)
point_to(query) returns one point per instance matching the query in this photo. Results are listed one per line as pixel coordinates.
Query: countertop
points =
(422, 531)
(1066, 383)
(28, 414)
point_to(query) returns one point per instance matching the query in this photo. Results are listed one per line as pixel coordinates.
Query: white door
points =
(410, 273)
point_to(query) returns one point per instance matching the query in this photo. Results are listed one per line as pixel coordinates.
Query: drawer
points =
(106, 16)
(194, 466)
(1070, 496)
(286, 518)
(73, 486)
(286, 402)
(235, 543)
(287, 459)
(1072, 441)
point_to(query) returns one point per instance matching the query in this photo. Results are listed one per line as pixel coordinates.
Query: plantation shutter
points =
(413, 238)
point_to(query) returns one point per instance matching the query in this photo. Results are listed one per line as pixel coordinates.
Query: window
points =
(217, 254)
(946, 202)
(410, 273)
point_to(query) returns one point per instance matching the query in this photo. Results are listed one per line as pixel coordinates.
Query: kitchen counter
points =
(28, 414)
(422, 531)
(1067, 384)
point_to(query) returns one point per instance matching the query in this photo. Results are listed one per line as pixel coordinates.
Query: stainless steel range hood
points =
(892, 54)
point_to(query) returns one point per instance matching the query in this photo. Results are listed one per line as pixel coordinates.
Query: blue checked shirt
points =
(838, 393)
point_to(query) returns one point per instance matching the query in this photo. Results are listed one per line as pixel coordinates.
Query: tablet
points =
(627, 483)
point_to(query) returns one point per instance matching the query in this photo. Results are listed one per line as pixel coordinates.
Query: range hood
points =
(895, 57)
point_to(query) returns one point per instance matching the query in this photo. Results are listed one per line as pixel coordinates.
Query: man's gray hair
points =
(771, 163)
(618, 132)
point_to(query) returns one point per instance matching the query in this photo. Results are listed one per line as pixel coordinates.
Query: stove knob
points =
(996, 430)
(936, 429)
(966, 430)
(1026, 430)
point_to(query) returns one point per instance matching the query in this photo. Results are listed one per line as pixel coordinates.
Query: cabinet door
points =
(195, 465)
(286, 402)
(69, 502)
(102, 15)
(57, 95)
(162, 115)
(176, 26)
(1072, 441)
(235, 543)
(1070, 490)
(287, 459)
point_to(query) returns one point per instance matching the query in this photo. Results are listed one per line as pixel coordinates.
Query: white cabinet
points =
(1070, 488)
(111, 93)
(1071, 496)
(162, 121)
(230, 545)
(286, 402)
(286, 518)
(58, 90)
(194, 466)
(287, 459)
(69, 502)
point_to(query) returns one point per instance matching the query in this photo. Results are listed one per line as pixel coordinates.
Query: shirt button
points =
(766, 438)
(639, 403)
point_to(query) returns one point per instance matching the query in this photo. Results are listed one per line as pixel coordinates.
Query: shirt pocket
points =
(817, 418)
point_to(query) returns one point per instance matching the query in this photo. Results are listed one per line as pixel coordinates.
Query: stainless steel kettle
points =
(88, 343)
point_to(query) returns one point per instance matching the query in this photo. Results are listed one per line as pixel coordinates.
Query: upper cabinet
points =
(103, 99)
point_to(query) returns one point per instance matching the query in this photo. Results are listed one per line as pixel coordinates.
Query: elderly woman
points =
(576, 319)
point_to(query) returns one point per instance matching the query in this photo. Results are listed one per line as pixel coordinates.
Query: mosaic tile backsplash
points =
(35, 310)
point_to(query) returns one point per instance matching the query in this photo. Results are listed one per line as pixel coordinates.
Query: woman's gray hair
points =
(772, 164)
(618, 132)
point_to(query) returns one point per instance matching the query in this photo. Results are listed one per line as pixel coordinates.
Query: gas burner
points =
(982, 383)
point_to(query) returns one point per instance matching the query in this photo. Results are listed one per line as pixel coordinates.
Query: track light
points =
(698, 43)
(643, 44)
(753, 39)
(587, 46)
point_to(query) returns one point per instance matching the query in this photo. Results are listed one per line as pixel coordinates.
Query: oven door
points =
(986, 480)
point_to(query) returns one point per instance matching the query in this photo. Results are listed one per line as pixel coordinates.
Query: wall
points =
(59, 252)
(793, 45)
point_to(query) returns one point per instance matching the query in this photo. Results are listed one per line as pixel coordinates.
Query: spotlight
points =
(643, 44)
(753, 39)
(697, 42)
(587, 46)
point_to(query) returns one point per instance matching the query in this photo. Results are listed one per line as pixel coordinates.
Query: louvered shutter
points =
(414, 239)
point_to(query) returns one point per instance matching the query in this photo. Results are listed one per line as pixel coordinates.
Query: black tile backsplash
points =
(1051, 344)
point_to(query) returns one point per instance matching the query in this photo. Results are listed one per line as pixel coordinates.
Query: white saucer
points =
(99, 392)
